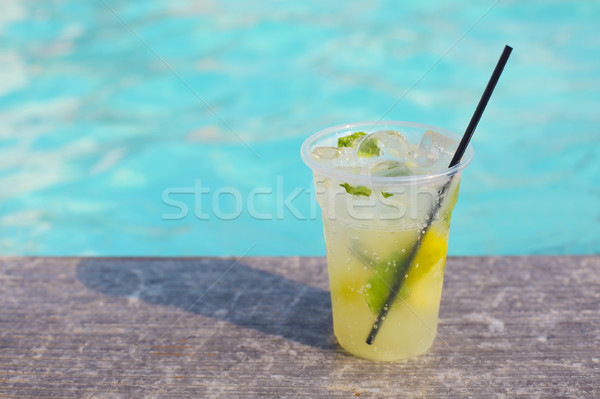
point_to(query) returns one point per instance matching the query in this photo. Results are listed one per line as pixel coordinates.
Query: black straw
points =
(462, 147)
(464, 142)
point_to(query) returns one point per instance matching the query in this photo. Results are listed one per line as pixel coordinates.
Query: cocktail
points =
(386, 194)
(387, 190)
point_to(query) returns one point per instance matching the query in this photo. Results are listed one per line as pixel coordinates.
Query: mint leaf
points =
(386, 195)
(348, 141)
(358, 190)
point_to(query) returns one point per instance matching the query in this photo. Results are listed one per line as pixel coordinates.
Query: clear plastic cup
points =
(369, 239)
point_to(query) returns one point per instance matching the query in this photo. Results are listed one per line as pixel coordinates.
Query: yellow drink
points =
(386, 216)
(411, 323)
(364, 258)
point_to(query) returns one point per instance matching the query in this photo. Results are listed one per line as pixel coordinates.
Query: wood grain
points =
(261, 327)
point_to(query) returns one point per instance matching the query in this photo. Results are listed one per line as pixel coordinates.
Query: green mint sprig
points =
(358, 190)
(368, 148)
(349, 140)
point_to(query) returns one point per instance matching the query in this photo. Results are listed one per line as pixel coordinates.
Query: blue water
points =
(95, 128)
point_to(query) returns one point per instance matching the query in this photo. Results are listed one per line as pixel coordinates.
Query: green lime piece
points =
(386, 273)
(369, 148)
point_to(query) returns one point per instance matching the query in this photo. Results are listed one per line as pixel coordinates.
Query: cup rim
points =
(383, 180)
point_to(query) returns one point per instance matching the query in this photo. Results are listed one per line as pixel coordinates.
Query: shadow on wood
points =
(244, 296)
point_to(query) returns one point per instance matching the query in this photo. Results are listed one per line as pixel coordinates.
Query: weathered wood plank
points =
(261, 327)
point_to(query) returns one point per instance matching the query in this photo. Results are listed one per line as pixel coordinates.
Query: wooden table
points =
(261, 327)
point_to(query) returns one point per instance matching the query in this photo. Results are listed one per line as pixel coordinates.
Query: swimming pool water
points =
(95, 129)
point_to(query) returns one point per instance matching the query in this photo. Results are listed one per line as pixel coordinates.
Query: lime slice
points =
(385, 273)
(369, 147)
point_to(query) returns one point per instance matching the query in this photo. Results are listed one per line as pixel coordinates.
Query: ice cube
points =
(390, 169)
(325, 153)
(442, 162)
(346, 156)
(384, 142)
(435, 149)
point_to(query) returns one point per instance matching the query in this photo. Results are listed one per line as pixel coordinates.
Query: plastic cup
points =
(368, 237)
